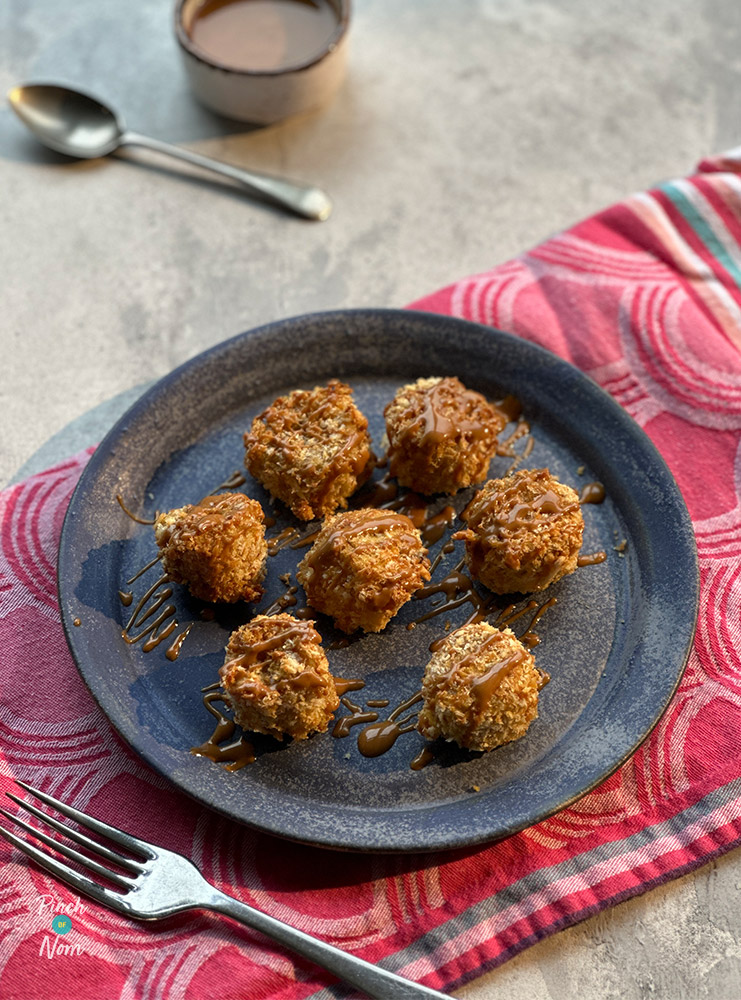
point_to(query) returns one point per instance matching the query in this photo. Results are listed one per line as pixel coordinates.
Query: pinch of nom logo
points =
(58, 917)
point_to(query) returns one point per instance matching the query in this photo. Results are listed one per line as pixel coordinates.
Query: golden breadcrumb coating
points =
(441, 435)
(311, 449)
(216, 547)
(276, 678)
(480, 688)
(363, 566)
(524, 532)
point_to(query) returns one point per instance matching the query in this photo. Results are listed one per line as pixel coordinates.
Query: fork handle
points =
(371, 979)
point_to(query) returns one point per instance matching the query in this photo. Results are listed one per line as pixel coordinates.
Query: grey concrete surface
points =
(465, 133)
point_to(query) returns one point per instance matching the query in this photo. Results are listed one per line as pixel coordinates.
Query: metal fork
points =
(161, 883)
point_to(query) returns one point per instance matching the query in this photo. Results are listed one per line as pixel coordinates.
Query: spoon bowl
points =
(76, 124)
(67, 121)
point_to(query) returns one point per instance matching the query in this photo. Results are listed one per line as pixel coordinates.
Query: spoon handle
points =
(308, 202)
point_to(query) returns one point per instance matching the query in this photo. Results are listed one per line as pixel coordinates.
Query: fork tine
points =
(85, 885)
(100, 849)
(70, 852)
(98, 826)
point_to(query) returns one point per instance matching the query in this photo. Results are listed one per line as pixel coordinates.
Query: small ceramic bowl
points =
(263, 96)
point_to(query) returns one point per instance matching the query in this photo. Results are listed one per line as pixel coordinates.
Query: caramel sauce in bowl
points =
(262, 61)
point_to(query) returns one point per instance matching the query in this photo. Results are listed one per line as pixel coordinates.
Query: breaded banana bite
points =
(442, 436)
(363, 566)
(276, 678)
(216, 548)
(311, 449)
(523, 532)
(480, 689)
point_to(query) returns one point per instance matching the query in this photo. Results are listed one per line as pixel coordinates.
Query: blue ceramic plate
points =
(615, 644)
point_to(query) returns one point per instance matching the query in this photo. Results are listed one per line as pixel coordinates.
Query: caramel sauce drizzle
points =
(385, 495)
(483, 682)
(380, 736)
(511, 407)
(291, 538)
(173, 650)
(435, 425)
(480, 612)
(287, 600)
(510, 614)
(344, 684)
(259, 652)
(342, 460)
(157, 630)
(592, 558)
(233, 482)
(149, 604)
(445, 550)
(356, 717)
(529, 637)
(434, 527)
(308, 614)
(125, 509)
(423, 758)
(305, 540)
(458, 589)
(592, 493)
(411, 505)
(235, 755)
(281, 540)
(144, 569)
(506, 446)
(381, 493)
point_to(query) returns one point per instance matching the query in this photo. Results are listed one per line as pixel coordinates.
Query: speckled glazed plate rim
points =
(617, 718)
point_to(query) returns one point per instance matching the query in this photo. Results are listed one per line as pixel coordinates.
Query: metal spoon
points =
(76, 124)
